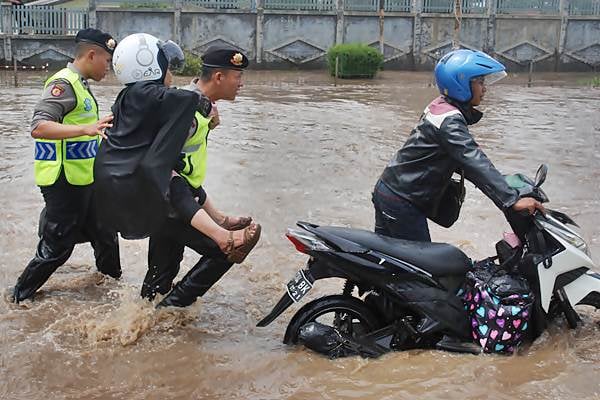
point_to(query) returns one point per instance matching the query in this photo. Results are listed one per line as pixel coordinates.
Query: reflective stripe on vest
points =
(82, 150)
(196, 153)
(74, 155)
(45, 151)
(191, 149)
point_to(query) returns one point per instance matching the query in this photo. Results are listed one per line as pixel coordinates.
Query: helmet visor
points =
(495, 77)
(174, 55)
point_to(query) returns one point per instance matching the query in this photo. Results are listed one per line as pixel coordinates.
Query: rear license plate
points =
(298, 286)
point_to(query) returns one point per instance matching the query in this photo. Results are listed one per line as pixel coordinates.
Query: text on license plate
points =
(298, 286)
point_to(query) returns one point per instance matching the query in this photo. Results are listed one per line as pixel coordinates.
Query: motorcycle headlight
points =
(568, 236)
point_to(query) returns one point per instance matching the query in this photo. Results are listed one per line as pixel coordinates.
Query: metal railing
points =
(47, 20)
(62, 21)
(361, 5)
(308, 5)
(584, 7)
(576, 7)
(397, 5)
(222, 4)
(475, 6)
(374, 5)
(438, 6)
(447, 6)
(136, 3)
(528, 6)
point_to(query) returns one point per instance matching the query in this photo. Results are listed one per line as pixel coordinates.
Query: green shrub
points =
(192, 65)
(593, 82)
(356, 60)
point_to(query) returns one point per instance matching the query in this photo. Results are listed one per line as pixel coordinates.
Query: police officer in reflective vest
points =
(67, 131)
(195, 213)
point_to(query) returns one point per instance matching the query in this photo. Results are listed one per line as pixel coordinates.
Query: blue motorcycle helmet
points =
(455, 70)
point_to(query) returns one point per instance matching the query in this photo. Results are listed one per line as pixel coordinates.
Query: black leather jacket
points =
(437, 147)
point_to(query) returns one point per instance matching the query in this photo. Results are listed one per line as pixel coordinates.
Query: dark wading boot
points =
(196, 282)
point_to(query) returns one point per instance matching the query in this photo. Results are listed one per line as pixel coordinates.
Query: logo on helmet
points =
(137, 74)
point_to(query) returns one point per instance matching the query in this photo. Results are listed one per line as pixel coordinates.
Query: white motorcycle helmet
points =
(143, 57)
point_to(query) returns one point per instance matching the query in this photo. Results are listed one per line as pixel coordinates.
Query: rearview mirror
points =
(540, 176)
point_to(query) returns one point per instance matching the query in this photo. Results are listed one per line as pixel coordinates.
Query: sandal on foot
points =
(241, 224)
(238, 254)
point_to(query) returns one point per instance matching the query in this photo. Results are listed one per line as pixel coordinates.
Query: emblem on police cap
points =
(237, 59)
(111, 44)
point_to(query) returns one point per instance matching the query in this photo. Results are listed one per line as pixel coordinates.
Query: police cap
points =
(224, 57)
(97, 37)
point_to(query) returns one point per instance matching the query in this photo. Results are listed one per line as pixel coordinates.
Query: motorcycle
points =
(408, 292)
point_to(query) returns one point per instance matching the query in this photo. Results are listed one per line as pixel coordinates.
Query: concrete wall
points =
(582, 45)
(126, 22)
(38, 50)
(295, 40)
(300, 39)
(199, 31)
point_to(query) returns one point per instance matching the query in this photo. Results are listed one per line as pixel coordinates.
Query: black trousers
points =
(164, 257)
(68, 218)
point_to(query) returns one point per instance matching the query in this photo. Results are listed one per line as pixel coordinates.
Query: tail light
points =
(305, 241)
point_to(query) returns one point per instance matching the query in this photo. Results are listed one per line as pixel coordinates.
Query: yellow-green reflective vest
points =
(76, 155)
(195, 153)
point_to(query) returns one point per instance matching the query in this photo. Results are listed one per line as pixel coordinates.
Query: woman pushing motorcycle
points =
(417, 294)
(417, 183)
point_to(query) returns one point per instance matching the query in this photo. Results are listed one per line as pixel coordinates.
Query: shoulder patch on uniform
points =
(57, 90)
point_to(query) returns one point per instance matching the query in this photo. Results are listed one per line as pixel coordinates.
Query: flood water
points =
(292, 147)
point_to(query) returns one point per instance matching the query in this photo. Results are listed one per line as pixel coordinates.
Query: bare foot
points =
(235, 223)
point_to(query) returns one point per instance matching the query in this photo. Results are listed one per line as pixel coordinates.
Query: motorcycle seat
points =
(439, 259)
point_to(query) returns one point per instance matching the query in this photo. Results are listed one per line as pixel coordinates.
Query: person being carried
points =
(151, 121)
(412, 186)
(67, 130)
(222, 240)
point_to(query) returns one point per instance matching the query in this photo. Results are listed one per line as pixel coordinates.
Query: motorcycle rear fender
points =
(345, 266)
(284, 302)
(318, 269)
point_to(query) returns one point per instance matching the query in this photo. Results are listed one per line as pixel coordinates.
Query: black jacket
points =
(133, 166)
(437, 147)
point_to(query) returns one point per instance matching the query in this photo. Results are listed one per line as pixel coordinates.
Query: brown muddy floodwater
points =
(292, 147)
